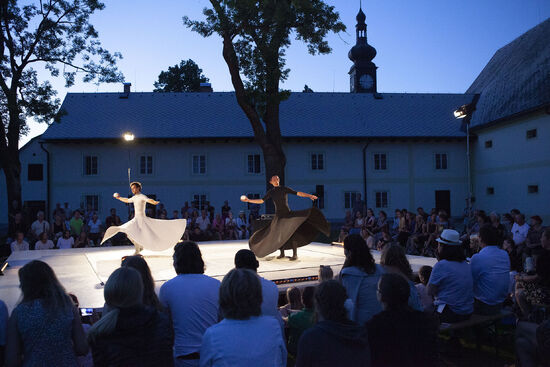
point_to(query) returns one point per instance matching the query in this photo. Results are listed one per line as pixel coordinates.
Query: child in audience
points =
(426, 299)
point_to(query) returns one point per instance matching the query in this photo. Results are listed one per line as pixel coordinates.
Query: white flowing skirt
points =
(151, 234)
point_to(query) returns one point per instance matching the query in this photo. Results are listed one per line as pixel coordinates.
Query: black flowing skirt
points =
(295, 229)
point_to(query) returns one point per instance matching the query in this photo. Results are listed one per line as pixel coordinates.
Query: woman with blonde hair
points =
(130, 333)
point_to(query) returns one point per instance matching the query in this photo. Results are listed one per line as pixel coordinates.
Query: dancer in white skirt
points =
(144, 232)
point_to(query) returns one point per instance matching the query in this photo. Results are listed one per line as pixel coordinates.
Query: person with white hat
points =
(451, 282)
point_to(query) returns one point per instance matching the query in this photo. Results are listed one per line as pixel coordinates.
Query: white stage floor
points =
(81, 271)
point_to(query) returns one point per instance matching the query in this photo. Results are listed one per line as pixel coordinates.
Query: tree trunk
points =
(12, 171)
(275, 161)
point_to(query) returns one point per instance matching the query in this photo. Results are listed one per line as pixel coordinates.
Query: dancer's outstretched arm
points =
(253, 201)
(306, 195)
(116, 195)
(151, 201)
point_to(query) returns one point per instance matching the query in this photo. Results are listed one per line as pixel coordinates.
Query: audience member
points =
(243, 337)
(113, 219)
(58, 226)
(500, 229)
(490, 273)
(149, 296)
(82, 240)
(359, 205)
(66, 241)
(451, 282)
(293, 302)
(43, 242)
(334, 341)
(192, 300)
(203, 223)
(325, 273)
(394, 260)
(19, 244)
(218, 227)
(17, 225)
(94, 229)
(40, 225)
(359, 276)
(130, 333)
(301, 321)
(241, 226)
(44, 318)
(532, 242)
(76, 224)
(427, 300)
(3, 329)
(520, 230)
(245, 259)
(536, 289)
(401, 336)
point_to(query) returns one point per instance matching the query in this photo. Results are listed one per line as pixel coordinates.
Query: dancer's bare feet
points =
(293, 258)
(282, 255)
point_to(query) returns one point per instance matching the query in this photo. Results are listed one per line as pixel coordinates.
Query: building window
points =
(531, 134)
(146, 164)
(533, 189)
(91, 201)
(349, 199)
(441, 161)
(320, 193)
(380, 161)
(90, 165)
(490, 191)
(489, 144)
(35, 172)
(381, 199)
(317, 161)
(254, 164)
(201, 200)
(252, 196)
(199, 164)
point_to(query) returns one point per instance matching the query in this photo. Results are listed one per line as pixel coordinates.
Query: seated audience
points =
(130, 333)
(217, 227)
(113, 219)
(243, 337)
(241, 228)
(66, 241)
(427, 300)
(39, 226)
(76, 223)
(532, 242)
(533, 290)
(334, 341)
(451, 282)
(203, 223)
(45, 317)
(192, 300)
(520, 230)
(394, 260)
(17, 225)
(43, 242)
(301, 321)
(360, 275)
(500, 229)
(401, 336)
(82, 240)
(94, 229)
(245, 259)
(325, 273)
(58, 226)
(149, 296)
(294, 302)
(490, 273)
(19, 244)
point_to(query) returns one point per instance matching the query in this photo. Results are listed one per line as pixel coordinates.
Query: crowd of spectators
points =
(83, 227)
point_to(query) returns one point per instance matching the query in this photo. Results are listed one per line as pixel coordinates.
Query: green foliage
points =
(261, 31)
(185, 77)
(56, 34)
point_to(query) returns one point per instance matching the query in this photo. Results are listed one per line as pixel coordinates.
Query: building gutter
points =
(365, 172)
(48, 180)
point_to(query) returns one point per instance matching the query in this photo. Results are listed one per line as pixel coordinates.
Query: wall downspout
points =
(48, 180)
(365, 173)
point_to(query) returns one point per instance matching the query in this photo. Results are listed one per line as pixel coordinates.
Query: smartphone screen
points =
(86, 311)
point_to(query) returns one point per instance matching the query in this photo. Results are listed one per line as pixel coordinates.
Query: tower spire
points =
(363, 71)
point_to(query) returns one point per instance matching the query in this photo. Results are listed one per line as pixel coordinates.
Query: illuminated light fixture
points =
(462, 111)
(3, 267)
(128, 136)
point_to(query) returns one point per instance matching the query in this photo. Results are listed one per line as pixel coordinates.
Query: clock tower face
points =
(366, 82)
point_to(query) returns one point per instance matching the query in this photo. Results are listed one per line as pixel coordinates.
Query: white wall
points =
(513, 163)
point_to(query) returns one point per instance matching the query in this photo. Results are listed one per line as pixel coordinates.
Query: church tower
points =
(363, 72)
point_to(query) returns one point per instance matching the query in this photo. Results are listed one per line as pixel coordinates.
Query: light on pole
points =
(128, 138)
(465, 112)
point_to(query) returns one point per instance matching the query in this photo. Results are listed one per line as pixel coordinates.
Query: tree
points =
(54, 34)
(256, 34)
(307, 89)
(185, 77)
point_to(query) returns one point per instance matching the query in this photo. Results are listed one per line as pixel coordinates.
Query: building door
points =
(443, 200)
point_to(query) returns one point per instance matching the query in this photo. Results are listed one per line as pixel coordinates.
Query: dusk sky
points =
(422, 46)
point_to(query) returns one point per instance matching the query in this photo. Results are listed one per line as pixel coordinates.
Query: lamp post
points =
(465, 112)
(128, 138)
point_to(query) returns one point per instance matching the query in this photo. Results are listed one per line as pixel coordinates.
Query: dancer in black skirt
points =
(288, 229)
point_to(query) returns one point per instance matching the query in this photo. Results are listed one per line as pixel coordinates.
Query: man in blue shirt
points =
(491, 273)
